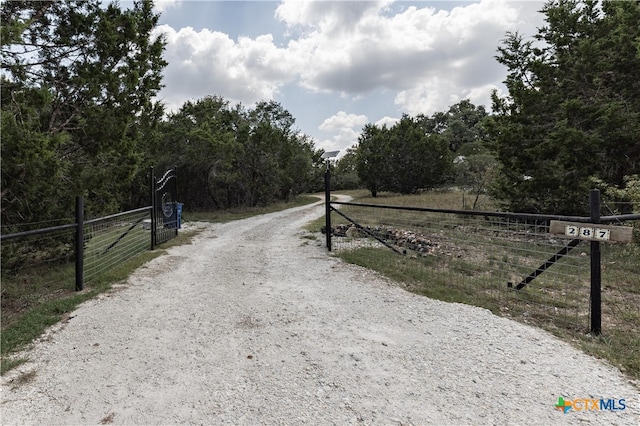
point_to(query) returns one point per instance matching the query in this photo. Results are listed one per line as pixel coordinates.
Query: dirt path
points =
(254, 324)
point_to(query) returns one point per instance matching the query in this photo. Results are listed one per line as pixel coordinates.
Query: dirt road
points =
(255, 324)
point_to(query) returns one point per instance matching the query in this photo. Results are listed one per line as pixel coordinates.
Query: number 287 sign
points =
(588, 232)
(592, 231)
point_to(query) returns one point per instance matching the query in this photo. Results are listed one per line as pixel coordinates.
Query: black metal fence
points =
(165, 211)
(94, 246)
(507, 261)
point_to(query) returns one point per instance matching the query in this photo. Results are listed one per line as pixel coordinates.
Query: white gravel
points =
(254, 324)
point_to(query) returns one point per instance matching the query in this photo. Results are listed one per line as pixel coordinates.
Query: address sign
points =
(592, 231)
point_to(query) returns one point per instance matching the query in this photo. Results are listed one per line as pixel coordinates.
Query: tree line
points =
(423, 152)
(572, 115)
(79, 81)
(230, 156)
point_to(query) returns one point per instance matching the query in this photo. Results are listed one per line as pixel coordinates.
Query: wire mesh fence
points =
(34, 251)
(112, 240)
(481, 260)
(40, 260)
(36, 268)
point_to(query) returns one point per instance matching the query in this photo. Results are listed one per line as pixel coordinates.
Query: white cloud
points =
(208, 62)
(411, 52)
(327, 16)
(339, 142)
(164, 5)
(346, 129)
(386, 121)
(423, 58)
(343, 120)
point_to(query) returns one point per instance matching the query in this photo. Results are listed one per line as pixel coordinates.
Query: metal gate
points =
(164, 211)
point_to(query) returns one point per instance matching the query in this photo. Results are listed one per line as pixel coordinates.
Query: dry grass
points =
(108, 419)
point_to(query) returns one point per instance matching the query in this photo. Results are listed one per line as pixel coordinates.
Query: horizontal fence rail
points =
(519, 216)
(40, 231)
(508, 262)
(36, 249)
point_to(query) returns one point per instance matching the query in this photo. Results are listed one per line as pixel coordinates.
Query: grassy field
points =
(465, 271)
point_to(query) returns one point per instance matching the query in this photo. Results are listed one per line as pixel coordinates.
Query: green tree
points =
(467, 135)
(200, 140)
(97, 68)
(31, 169)
(265, 149)
(404, 158)
(345, 173)
(475, 173)
(573, 110)
(373, 154)
(232, 156)
(417, 160)
(465, 128)
(297, 166)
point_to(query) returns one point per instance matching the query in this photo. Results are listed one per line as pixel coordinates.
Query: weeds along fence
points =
(507, 262)
(37, 265)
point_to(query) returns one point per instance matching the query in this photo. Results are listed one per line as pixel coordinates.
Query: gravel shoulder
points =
(255, 324)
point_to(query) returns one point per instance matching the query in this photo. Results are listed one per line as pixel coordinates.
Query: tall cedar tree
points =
(573, 109)
(77, 85)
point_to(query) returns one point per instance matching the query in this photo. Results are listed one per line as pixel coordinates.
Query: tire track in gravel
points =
(251, 324)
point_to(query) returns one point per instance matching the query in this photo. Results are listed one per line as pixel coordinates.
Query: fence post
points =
(596, 276)
(327, 199)
(79, 243)
(152, 192)
(175, 193)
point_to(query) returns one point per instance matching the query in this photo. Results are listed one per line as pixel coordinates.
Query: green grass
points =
(551, 304)
(437, 199)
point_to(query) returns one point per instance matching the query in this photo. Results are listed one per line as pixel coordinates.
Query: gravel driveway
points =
(254, 324)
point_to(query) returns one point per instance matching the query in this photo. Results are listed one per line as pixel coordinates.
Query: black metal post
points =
(79, 243)
(152, 189)
(175, 193)
(596, 277)
(327, 202)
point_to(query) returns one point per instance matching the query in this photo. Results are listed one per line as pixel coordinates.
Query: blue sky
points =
(338, 65)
